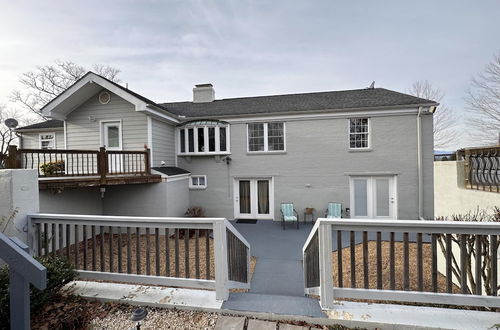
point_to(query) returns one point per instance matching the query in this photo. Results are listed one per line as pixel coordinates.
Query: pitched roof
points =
(134, 94)
(332, 101)
(171, 170)
(53, 123)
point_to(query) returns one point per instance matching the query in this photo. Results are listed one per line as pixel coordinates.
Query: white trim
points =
(369, 147)
(92, 78)
(253, 198)
(197, 187)
(101, 131)
(54, 141)
(150, 139)
(179, 177)
(327, 114)
(371, 196)
(266, 140)
(159, 115)
(65, 134)
(206, 152)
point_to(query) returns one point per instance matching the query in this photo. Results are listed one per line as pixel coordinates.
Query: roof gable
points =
(89, 85)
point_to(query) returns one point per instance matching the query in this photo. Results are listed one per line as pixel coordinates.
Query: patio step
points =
(225, 322)
(276, 304)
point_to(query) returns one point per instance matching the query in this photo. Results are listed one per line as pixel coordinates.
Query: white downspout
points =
(419, 165)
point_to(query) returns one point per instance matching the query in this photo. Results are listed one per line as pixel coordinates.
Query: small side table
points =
(309, 211)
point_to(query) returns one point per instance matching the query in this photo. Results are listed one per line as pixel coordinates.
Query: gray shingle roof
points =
(335, 101)
(171, 170)
(53, 123)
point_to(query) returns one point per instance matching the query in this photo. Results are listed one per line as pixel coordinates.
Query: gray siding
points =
(317, 156)
(83, 133)
(163, 140)
(32, 141)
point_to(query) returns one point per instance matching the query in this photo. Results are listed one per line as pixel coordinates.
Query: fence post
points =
(325, 265)
(11, 161)
(148, 161)
(220, 256)
(102, 166)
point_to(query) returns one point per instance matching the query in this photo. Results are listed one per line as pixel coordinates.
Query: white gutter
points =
(419, 165)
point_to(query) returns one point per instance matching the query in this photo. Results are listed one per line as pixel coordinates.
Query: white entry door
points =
(112, 141)
(253, 198)
(373, 197)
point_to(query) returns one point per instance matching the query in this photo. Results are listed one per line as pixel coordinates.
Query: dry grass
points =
(399, 277)
(165, 269)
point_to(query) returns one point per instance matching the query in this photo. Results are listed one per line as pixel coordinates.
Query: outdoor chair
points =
(334, 211)
(288, 214)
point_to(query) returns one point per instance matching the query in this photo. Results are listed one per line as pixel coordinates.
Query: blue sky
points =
(250, 48)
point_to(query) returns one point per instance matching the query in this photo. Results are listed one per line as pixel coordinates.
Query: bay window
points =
(204, 137)
(266, 137)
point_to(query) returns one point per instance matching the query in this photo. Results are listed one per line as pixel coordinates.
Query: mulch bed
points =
(399, 274)
(191, 249)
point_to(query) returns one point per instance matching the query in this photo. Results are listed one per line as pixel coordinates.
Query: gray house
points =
(370, 149)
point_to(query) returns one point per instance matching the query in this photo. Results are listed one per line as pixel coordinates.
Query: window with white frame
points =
(47, 140)
(359, 133)
(266, 137)
(204, 137)
(198, 182)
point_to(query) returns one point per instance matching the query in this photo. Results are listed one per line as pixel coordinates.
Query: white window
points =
(204, 137)
(198, 182)
(266, 137)
(359, 133)
(47, 140)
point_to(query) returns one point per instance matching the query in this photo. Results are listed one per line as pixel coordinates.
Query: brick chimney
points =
(203, 93)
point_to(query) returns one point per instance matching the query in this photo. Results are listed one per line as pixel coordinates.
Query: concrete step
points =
(230, 323)
(254, 324)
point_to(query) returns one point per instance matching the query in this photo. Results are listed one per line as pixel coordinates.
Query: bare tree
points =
(483, 98)
(445, 121)
(48, 81)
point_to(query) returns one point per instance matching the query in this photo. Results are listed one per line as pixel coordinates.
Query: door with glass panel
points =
(373, 197)
(253, 198)
(111, 140)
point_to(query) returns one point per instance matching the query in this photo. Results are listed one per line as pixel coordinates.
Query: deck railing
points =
(76, 163)
(397, 260)
(482, 168)
(206, 253)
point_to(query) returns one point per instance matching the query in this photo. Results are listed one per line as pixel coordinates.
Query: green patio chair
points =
(288, 214)
(334, 211)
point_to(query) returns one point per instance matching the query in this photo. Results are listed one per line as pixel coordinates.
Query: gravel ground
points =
(157, 319)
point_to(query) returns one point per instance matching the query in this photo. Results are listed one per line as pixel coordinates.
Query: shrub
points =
(59, 273)
(52, 168)
(195, 212)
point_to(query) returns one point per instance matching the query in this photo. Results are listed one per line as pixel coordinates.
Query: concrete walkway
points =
(278, 283)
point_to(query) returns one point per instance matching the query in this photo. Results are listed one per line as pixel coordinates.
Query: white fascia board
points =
(35, 130)
(331, 115)
(160, 115)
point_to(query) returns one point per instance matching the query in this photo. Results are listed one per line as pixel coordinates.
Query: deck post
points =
(220, 256)
(102, 164)
(325, 266)
(148, 161)
(11, 161)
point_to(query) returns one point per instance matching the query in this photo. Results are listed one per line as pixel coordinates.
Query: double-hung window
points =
(204, 137)
(47, 140)
(198, 182)
(266, 137)
(359, 133)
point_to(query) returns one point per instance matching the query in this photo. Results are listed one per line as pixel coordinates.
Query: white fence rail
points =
(397, 260)
(206, 253)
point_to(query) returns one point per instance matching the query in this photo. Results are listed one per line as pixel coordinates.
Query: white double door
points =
(253, 198)
(373, 197)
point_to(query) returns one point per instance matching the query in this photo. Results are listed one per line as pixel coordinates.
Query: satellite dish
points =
(11, 123)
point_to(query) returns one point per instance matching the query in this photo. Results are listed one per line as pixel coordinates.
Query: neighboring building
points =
(370, 149)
